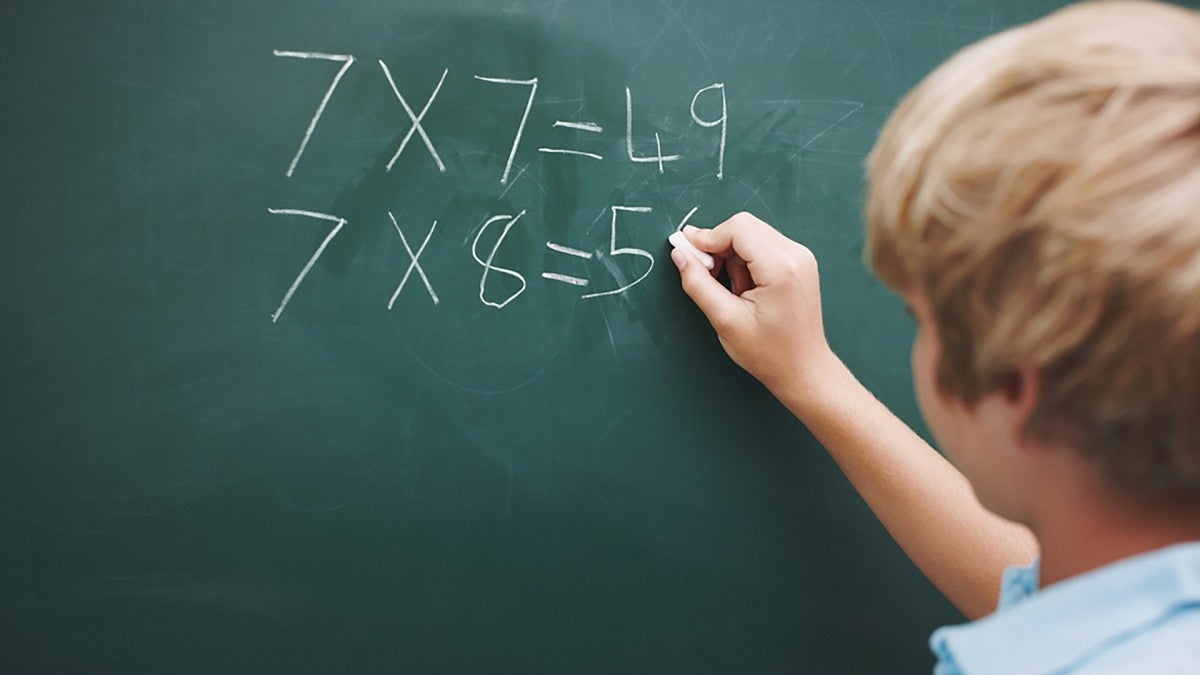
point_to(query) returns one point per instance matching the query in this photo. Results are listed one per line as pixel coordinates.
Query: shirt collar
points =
(1061, 625)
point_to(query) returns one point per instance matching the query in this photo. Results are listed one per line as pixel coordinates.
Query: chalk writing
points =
(660, 158)
(708, 108)
(340, 223)
(684, 222)
(568, 250)
(590, 127)
(414, 262)
(489, 267)
(614, 251)
(564, 278)
(532, 84)
(347, 61)
(416, 119)
(723, 121)
(581, 126)
(563, 151)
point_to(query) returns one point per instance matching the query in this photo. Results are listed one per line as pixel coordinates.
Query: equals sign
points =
(566, 279)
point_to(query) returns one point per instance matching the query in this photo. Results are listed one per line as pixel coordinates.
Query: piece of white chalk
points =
(678, 240)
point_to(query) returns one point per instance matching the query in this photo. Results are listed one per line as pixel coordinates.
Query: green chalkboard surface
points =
(342, 336)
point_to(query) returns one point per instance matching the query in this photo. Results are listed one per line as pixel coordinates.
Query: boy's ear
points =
(1021, 393)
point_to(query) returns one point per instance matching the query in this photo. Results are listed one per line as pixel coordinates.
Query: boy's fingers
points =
(740, 280)
(743, 235)
(717, 303)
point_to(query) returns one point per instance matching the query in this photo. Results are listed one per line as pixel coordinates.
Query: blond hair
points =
(1041, 190)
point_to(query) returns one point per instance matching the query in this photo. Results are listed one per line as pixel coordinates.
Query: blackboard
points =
(342, 337)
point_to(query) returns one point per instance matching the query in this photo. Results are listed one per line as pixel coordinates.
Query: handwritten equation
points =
(485, 256)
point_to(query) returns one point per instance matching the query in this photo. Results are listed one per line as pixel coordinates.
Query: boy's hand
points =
(769, 321)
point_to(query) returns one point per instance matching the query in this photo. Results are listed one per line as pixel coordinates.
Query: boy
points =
(1036, 201)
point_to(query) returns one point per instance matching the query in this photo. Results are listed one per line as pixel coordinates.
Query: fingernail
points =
(679, 258)
(690, 228)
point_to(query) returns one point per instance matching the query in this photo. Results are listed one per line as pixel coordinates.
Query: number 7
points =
(347, 61)
(532, 84)
(341, 222)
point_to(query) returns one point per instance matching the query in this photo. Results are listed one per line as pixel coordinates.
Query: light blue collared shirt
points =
(1138, 615)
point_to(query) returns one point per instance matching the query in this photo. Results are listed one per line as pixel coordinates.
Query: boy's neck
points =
(1092, 528)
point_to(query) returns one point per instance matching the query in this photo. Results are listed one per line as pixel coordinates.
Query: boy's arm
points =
(771, 325)
(922, 500)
